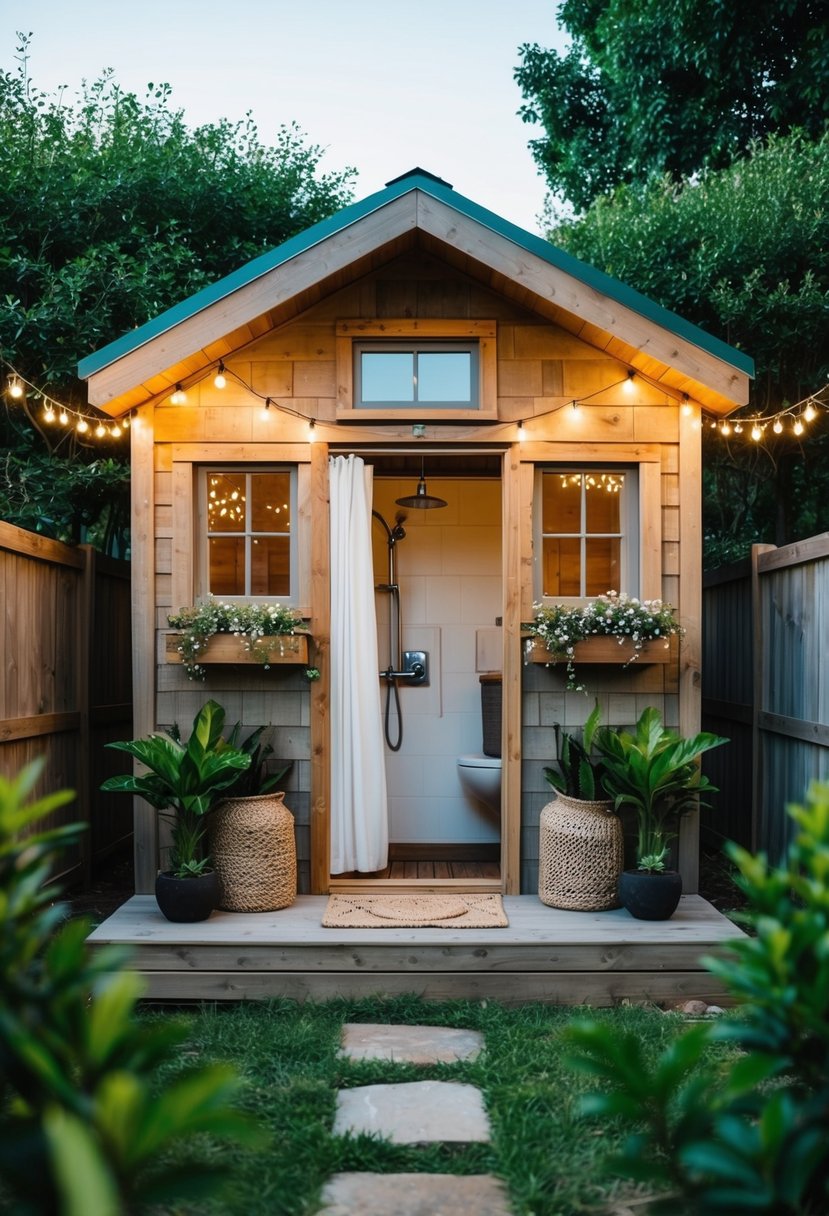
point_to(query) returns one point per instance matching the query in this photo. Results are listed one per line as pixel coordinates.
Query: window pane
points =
(226, 502)
(270, 502)
(603, 566)
(561, 503)
(561, 566)
(387, 376)
(444, 376)
(604, 500)
(270, 565)
(227, 565)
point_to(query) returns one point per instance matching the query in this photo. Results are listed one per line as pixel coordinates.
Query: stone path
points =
(414, 1112)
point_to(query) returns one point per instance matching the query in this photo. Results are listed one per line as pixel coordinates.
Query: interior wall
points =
(449, 573)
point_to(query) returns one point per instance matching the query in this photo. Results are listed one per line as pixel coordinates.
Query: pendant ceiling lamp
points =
(421, 499)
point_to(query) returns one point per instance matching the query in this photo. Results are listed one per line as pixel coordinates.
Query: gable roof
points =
(148, 360)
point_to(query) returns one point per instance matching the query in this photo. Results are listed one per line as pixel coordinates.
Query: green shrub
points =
(82, 1123)
(747, 1135)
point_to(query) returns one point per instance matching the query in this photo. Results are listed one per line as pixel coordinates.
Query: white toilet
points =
(480, 776)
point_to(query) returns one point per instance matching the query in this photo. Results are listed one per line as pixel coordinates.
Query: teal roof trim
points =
(266, 262)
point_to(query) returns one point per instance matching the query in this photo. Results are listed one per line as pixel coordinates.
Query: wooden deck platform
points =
(558, 957)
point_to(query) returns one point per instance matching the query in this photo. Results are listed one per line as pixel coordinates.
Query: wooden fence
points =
(66, 683)
(765, 672)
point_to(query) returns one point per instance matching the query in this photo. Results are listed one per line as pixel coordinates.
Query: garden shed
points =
(554, 413)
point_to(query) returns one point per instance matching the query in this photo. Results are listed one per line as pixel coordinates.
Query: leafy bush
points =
(749, 1135)
(82, 1124)
(577, 775)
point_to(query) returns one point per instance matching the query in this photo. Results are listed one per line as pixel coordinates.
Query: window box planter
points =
(604, 650)
(229, 648)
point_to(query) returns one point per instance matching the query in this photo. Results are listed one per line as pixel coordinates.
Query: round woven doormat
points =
(414, 911)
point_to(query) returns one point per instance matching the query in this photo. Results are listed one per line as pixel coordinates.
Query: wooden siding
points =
(65, 689)
(767, 687)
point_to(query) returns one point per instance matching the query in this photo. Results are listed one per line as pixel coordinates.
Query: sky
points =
(384, 86)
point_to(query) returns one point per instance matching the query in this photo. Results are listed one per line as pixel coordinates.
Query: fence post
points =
(85, 643)
(758, 650)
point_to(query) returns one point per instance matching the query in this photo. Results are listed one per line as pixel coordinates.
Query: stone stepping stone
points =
(409, 1044)
(413, 1195)
(417, 1112)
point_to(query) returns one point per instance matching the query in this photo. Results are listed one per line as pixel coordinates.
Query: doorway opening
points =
(439, 602)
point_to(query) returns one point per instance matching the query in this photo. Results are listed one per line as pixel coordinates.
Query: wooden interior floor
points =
(430, 862)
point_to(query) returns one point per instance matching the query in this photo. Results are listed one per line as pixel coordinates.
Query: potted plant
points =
(656, 772)
(183, 783)
(580, 838)
(565, 629)
(251, 832)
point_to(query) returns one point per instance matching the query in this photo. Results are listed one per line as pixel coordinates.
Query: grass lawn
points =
(550, 1160)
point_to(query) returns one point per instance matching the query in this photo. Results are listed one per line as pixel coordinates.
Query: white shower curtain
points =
(359, 806)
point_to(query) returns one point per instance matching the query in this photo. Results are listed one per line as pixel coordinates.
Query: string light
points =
(266, 410)
(179, 396)
(792, 417)
(628, 384)
(809, 413)
(521, 432)
(798, 427)
(777, 427)
(687, 408)
(55, 412)
(220, 380)
(756, 433)
(312, 430)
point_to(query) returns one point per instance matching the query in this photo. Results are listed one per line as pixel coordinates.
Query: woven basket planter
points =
(581, 853)
(254, 851)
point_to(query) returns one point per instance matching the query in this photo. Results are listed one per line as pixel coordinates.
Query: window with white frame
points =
(426, 374)
(249, 543)
(586, 531)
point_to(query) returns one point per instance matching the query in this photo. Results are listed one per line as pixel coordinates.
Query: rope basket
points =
(581, 854)
(254, 851)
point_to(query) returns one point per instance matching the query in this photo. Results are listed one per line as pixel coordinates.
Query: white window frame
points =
(204, 472)
(630, 535)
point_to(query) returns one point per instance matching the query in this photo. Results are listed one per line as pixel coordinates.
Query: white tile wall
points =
(449, 572)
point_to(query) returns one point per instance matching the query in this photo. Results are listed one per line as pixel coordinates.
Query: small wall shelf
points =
(605, 650)
(227, 648)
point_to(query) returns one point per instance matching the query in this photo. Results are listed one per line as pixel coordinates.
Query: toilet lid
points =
(479, 761)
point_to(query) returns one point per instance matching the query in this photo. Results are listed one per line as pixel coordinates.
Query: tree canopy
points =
(743, 252)
(652, 88)
(111, 210)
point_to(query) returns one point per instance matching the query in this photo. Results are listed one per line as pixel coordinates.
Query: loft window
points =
(429, 375)
(587, 531)
(249, 542)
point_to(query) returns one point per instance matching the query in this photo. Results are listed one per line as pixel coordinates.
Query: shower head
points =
(422, 500)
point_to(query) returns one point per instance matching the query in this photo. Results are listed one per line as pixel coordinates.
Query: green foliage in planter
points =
(578, 775)
(748, 1135)
(249, 622)
(184, 782)
(256, 779)
(655, 771)
(84, 1123)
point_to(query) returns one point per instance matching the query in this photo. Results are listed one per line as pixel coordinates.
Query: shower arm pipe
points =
(395, 623)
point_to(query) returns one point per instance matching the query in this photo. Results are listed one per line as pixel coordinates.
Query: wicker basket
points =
(254, 851)
(581, 854)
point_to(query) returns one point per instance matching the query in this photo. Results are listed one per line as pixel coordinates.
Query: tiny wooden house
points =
(462, 359)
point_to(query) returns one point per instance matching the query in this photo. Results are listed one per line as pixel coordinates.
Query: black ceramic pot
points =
(186, 900)
(650, 896)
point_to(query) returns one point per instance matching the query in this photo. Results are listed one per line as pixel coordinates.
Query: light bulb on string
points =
(725, 429)
(266, 410)
(522, 435)
(82, 426)
(100, 431)
(63, 418)
(48, 413)
(738, 430)
(798, 427)
(116, 431)
(809, 413)
(778, 427)
(756, 433)
(628, 384)
(179, 396)
(220, 380)
(16, 389)
(312, 430)
(576, 412)
(687, 408)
